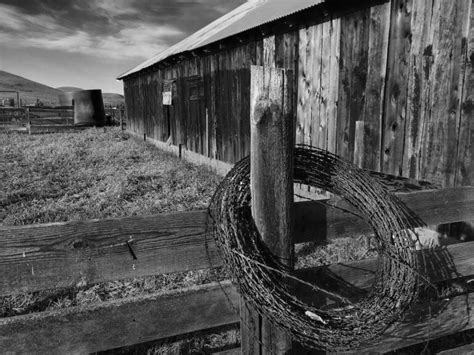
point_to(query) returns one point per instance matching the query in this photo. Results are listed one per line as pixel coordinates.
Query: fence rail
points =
(41, 257)
(10, 115)
(36, 115)
(68, 254)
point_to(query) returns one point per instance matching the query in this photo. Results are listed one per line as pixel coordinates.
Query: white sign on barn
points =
(167, 92)
(167, 98)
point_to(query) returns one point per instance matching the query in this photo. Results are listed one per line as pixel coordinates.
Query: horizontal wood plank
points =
(425, 322)
(54, 128)
(115, 324)
(421, 326)
(44, 112)
(465, 349)
(57, 255)
(434, 207)
(79, 253)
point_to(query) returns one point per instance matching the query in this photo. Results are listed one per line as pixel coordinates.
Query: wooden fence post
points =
(28, 120)
(271, 180)
(359, 144)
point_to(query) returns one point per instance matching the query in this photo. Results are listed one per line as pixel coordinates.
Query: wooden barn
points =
(391, 80)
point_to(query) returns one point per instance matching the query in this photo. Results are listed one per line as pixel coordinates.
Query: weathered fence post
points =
(28, 120)
(359, 144)
(271, 180)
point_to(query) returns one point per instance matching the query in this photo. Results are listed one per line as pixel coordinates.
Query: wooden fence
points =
(41, 257)
(44, 120)
(37, 119)
(12, 115)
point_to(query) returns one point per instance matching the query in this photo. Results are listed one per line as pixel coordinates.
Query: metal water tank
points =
(65, 98)
(89, 108)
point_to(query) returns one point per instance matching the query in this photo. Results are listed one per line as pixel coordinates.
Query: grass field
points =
(68, 177)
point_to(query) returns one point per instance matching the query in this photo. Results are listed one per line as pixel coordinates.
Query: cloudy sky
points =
(88, 43)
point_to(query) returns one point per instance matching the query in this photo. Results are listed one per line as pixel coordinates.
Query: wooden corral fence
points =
(12, 115)
(37, 119)
(75, 254)
(50, 120)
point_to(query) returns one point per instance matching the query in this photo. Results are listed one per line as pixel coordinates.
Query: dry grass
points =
(70, 177)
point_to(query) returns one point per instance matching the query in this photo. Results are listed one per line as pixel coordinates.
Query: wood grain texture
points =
(359, 143)
(301, 93)
(109, 325)
(304, 97)
(465, 350)
(352, 78)
(272, 157)
(286, 57)
(440, 143)
(315, 59)
(325, 80)
(333, 85)
(425, 322)
(271, 181)
(465, 152)
(79, 253)
(396, 87)
(419, 87)
(56, 255)
(375, 86)
(269, 51)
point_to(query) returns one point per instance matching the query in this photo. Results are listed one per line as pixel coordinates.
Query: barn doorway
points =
(195, 114)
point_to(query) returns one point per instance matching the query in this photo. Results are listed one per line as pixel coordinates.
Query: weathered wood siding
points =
(404, 68)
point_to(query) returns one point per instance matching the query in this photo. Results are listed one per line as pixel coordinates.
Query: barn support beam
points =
(271, 181)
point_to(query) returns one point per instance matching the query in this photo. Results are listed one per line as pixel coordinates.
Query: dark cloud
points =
(87, 43)
(104, 17)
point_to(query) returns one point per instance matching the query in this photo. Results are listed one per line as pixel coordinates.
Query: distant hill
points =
(113, 99)
(69, 88)
(29, 90)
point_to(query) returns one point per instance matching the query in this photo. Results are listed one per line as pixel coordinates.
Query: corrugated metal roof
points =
(247, 16)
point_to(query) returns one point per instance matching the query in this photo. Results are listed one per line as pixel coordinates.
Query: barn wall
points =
(404, 68)
(214, 123)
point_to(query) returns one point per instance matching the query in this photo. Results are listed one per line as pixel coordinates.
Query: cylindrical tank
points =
(89, 108)
(65, 98)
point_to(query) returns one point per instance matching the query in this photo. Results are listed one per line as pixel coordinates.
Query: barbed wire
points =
(259, 275)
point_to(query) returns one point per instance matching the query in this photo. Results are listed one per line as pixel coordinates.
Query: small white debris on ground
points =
(314, 316)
